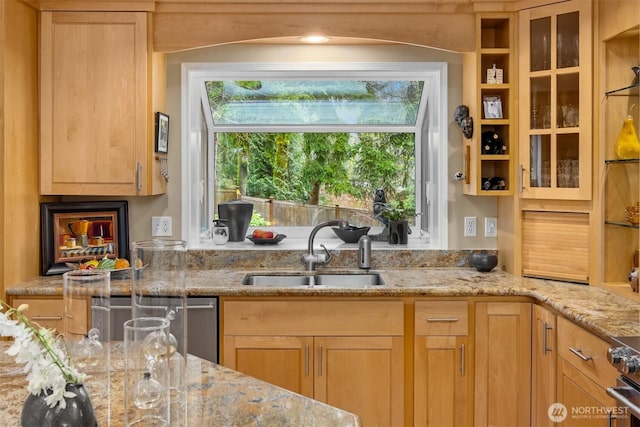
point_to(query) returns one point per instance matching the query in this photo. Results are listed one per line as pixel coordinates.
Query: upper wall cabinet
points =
(556, 101)
(97, 105)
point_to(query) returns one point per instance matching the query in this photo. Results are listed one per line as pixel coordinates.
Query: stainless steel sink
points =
(315, 280)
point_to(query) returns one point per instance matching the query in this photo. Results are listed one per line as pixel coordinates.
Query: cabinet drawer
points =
(313, 318)
(585, 351)
(441, 318)
(46, 312)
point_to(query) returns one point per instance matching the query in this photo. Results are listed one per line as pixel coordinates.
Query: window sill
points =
(302, 243)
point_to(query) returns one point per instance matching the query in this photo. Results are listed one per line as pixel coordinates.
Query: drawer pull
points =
(578, 353)
(442, 319)
(46, 318)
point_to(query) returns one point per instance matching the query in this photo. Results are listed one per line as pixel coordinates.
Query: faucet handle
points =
(326, 257)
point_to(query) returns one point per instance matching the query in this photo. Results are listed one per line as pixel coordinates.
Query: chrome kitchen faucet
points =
(310, 259)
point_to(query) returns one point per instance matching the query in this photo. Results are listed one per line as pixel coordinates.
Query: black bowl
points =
(483, 261)
(351, 234)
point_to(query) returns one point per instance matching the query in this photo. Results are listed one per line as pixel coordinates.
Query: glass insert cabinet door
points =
(555, 105)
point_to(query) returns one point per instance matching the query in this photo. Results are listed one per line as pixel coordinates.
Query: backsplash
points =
(203, 259)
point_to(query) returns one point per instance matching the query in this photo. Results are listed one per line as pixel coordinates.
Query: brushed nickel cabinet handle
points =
(462, 360)
(320, 360)
(578, 352)
(46, 318)
(545, 347)
(442, 319)
(306, 360)
(139, 177)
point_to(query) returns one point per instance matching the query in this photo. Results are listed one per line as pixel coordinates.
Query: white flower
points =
(47, 366)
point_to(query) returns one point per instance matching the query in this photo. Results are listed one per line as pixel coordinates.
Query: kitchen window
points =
(239, 116)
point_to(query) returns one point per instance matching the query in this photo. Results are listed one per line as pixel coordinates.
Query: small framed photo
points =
(162, 132)
(492, 107)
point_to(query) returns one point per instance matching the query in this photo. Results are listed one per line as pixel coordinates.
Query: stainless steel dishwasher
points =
(202, 324)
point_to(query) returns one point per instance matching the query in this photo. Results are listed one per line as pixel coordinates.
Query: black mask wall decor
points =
(464, 121)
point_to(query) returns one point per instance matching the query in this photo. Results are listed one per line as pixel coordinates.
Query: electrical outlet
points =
(161, 226)
(490, 227)
(470, 226)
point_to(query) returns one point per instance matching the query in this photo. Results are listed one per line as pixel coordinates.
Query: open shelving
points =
(494, 44)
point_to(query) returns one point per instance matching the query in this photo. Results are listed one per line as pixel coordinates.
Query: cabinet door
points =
(93, 103)
(442, 382)
(363, 375)
(543, 369)
(283, 361)
(586, 403)
(556, 101)
(502, 364)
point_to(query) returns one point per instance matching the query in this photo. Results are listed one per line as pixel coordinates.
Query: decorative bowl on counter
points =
(351, 233)
(267, 241)
(483, 261)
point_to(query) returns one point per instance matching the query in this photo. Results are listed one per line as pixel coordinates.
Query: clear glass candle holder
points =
(147, 352)
(158, 289)
(87, 323)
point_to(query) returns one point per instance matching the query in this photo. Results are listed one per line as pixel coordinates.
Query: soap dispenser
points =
(364, 252)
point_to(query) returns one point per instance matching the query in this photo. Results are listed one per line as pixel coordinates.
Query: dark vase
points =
(237, 213)
(398, 232)
(78, 413)
(483, 261)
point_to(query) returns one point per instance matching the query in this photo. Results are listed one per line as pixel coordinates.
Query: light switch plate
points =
(491, 227)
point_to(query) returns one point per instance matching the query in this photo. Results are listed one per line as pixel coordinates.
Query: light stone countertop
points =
(600, 311)
(217, 396)
(234, 395)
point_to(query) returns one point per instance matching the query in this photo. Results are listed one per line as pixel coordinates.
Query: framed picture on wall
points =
(492, 107)
(80, 231)
(162, 132)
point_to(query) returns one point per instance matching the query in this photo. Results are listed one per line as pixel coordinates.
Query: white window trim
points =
(194, 74)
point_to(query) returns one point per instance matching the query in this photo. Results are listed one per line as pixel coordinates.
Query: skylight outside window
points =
(314, 102)
(352, 102)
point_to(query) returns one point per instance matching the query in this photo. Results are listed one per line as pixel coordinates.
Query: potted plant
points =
(398, 223)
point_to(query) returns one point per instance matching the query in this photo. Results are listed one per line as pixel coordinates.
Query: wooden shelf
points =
(494, 47)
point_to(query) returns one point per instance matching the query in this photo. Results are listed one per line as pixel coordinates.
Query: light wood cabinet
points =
(489, 153)
(555, 101)
(583, 372)
(543, 366)
(47, 312)
(443, 372)
(502, 364)
(97, 102)
(556, 245)
(348, 354)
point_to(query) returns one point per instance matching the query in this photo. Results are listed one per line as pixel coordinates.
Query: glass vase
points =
(146, 372)
(87, 326)
(158, 289)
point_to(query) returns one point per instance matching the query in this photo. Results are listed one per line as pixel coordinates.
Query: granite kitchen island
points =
(217, 396)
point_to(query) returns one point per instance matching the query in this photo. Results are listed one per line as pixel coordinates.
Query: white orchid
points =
(47, 366)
